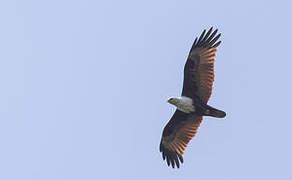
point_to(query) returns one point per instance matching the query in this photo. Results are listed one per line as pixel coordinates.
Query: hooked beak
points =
(170, 100)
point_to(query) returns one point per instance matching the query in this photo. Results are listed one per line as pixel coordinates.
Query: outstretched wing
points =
(199, 68)
(176, 135)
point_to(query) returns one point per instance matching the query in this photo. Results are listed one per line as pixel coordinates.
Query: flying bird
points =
(192, 104)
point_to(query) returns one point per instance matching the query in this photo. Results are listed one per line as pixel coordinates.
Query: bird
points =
(192, 105)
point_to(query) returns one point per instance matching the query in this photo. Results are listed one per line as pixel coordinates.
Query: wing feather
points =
(176, 136)
(212, 35)
(201, 37)
(199, 68)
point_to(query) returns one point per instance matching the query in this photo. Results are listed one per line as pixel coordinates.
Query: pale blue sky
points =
(84, 87)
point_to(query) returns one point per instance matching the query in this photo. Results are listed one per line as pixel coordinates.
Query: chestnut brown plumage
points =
(197, 85)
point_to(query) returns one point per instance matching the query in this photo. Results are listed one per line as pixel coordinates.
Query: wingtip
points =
(216, 30)
(217, 44)
(173, 159)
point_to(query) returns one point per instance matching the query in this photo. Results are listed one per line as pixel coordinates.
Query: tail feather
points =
(215, 112)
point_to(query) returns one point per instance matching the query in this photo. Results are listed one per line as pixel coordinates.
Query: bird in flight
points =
(192, 104)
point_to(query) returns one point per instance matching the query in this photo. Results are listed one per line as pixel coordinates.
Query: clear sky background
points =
(84, 86)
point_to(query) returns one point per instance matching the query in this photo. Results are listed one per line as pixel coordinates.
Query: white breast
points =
(185, 104)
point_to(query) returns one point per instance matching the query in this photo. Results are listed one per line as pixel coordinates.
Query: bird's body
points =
(192, 104)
